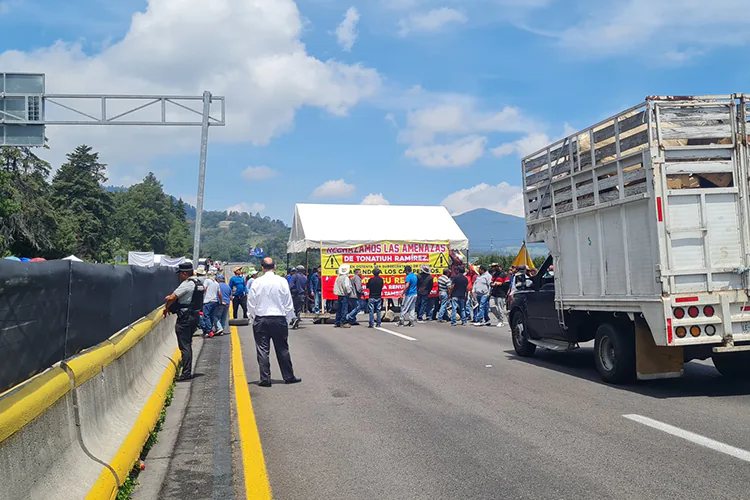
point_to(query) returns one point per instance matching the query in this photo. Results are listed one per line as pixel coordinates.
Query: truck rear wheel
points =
(614, 353)
(520, 335)
(733, 365)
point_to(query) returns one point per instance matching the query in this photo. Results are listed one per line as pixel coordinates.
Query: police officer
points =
(187, 302)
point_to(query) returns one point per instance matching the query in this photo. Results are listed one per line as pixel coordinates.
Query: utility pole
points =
(201, 177)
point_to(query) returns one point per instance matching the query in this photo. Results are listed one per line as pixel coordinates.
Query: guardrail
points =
(75, 430)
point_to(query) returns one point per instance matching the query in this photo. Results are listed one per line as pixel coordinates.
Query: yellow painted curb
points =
(91, 362)
(23, 404)
(105, 486)
(130, 336)
(257, 486)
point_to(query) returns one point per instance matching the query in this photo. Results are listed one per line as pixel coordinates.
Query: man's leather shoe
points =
(265, 383)
(295, 380)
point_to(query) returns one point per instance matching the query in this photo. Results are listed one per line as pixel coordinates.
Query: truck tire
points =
(520, 335)
(733, 365)
(614, 354)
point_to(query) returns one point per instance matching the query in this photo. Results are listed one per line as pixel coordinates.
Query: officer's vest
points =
(196, 301)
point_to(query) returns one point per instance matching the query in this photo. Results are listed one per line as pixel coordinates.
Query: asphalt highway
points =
(454, 414)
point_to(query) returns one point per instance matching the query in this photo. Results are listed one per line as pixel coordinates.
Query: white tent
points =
(348, 225)
(73, 258)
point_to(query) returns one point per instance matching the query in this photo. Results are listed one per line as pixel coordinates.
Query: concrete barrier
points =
(75, 431)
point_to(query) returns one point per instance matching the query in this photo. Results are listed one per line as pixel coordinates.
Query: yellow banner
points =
(389, 256)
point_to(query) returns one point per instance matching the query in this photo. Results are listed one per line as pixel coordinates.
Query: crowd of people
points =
(465, 294)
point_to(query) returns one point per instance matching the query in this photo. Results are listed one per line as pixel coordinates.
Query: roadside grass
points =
(128, 487)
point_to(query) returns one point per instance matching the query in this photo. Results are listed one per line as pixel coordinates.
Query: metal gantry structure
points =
(23, 105)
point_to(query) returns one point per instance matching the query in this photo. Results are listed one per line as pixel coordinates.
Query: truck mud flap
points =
(655, 362)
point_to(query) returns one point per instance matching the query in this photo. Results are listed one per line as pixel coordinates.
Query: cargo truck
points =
(646, 218)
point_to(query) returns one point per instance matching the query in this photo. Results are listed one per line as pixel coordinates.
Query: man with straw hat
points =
(342, 288)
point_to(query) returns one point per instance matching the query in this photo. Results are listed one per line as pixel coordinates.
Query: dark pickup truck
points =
(536, 322)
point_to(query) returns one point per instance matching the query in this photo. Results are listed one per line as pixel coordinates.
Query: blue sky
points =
(331, 101)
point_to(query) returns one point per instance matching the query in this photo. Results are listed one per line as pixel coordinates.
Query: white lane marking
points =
(406, 337)
(692, 437)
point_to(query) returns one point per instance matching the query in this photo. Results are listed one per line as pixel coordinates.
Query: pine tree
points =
(80, 198)
(28, 224)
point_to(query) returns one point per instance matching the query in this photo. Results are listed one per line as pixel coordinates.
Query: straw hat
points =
(344, 269)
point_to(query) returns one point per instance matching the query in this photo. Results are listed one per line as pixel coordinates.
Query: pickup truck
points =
(646, 215)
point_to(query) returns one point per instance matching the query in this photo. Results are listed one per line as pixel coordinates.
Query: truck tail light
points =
(681, 332)
(695, 331)
(678, 312)
(708, 311)
(693, 312)
(710, 330)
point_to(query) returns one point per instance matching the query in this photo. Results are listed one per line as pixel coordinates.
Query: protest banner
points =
(390, 257)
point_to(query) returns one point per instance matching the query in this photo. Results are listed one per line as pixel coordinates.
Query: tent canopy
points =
(349, 225)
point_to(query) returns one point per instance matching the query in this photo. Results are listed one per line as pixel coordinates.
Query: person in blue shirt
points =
(409, 296)
(221, 313)
(314, 284)
(239, 292)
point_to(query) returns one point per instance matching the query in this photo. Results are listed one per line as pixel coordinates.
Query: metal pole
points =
(201, 177)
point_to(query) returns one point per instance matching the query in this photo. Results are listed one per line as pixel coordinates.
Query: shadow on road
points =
(698, 380)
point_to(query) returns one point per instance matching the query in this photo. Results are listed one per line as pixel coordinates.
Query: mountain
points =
(494, 232)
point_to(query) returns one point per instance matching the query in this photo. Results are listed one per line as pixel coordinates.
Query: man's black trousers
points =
(186, 325)
(240, 301)
(265, 329)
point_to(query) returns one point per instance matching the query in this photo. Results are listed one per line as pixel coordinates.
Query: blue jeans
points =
(375, 305)
(318, 300)
(444, 301)
(221, 316)
(207, 320)
(459, 305)
(482, 312)
(355, 307)
(343, 303)
(422, 303)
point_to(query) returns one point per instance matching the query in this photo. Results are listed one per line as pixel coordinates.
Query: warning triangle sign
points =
(440, 263)
(331, 263)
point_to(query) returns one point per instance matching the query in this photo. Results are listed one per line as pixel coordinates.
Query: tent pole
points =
(307, 270)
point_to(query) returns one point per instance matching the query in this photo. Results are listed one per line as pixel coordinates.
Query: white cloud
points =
(522, 147)
(346, 32)
(502, 198)
(250, 208)
(661, 28)
(374, 199)
(334, 189)
(459, 153)
(248, 51)
(530, 143)
(452, 130)
(258, 173)
(432, 21)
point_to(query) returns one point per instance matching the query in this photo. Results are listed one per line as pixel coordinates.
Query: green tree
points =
(178, 239)
(80, 199)
(28, 226)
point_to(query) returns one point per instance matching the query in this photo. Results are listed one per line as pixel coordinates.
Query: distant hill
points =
(490, 231)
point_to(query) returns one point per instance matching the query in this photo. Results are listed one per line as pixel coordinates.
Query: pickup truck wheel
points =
(733, 365)
(614, 353)
(520, 335)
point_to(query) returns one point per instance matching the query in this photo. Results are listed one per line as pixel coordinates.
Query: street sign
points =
(21, 109)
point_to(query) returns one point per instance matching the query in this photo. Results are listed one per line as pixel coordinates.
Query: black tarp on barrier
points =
(52, 310)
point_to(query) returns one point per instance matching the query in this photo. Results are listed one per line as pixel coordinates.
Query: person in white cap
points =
(342, 288)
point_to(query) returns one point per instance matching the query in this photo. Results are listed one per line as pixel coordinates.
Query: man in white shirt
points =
(271, 310)
(211, 299)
